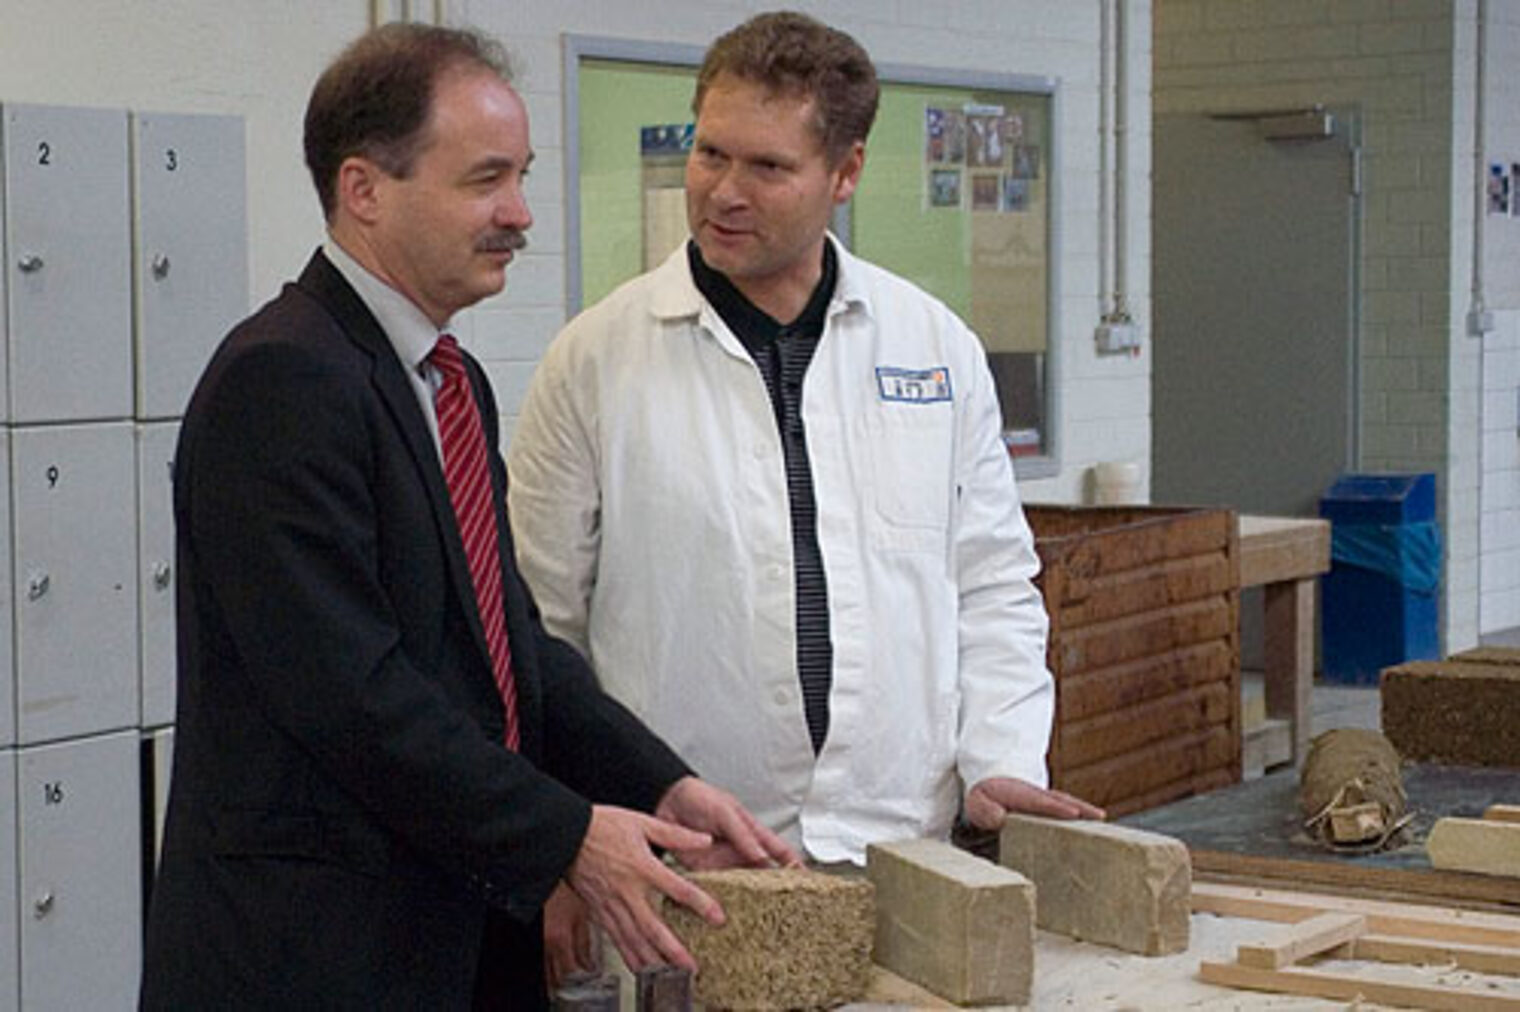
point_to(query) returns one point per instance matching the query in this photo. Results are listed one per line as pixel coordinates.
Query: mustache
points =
(507, 241)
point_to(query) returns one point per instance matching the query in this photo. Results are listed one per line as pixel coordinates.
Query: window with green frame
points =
(956, 196)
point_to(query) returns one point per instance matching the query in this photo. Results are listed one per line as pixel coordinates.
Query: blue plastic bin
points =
(1378, 602)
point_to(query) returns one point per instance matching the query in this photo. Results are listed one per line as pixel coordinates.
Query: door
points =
(1255, 311)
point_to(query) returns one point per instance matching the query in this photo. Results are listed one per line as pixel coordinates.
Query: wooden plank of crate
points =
(1089, 694)
(1477, 958)
(1350, 987)
(1290, 943)
(1119, 731)
(1147, 768)
(1103, 598)
(1406, 920)
(1083, 648)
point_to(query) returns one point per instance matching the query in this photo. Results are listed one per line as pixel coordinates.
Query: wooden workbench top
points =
(1274, 549)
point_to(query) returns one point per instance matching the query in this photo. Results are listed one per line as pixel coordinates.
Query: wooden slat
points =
(1102, 598)
(1502, 813)
(1109, 643)
(1085, 545)
(1196, 783)
(1431, 885)
(1406, 920)
(1477, 958)
(1348, 987)
(1086, 694)
(1145, 769)
(1119, 731)
(1288, 944)
(1484, 846)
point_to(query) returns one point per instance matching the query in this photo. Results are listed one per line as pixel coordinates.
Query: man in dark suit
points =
(383, 764)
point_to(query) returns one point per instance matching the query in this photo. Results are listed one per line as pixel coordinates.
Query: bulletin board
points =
(957, 196)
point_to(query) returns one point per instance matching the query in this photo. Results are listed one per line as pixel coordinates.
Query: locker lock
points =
(162, 573)
(30, 263)
(43, 905)
(37, 585)
(160, 266)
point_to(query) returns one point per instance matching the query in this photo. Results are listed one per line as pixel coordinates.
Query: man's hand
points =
(989, 802)
(615, 873)
(567, 937)
(738, 839)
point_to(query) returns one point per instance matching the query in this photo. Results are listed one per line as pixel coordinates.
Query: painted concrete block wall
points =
(1408, 65)
(1103, 408)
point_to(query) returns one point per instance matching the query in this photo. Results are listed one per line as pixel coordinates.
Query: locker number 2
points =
(52, 476)
(44, 153)
(52, 793)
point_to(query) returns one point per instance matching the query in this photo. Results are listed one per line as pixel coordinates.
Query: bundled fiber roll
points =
(1351, 791)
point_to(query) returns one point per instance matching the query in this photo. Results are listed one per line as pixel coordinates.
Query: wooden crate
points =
(1144, 607)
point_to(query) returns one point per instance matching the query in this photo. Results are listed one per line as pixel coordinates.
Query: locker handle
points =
(160, 266)
(43, 905)
(162, 573)
(30, 263)
(37, 585)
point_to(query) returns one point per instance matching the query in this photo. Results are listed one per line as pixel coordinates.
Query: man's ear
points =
(358, 188)
(847, 172)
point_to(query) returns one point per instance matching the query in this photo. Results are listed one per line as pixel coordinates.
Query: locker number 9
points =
(52, 476)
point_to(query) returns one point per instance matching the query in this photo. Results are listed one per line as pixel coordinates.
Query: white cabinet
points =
(190, 261)
(80, 881)
(74, 577)
(67, 263)
(155, 570)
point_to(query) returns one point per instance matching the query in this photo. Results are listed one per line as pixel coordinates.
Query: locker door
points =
(10, 939)
(7, 656)
(155, 570)
(74, 568)
(68, 263)
(191, 254)
(81, 873)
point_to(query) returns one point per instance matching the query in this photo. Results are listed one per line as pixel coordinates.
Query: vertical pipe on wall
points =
(1121, 203)
(1105, 170)
(1476, 309)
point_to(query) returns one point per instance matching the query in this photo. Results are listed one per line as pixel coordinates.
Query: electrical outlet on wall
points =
(1118, 337)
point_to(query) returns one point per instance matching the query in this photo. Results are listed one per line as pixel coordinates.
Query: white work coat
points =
(648, 500)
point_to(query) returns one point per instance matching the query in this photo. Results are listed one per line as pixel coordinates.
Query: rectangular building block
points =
(793, 938)
(1102, 883)
(956, 924)
(1465, 712)
(1485, 846)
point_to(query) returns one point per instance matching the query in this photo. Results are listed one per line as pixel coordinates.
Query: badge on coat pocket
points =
(913, 386)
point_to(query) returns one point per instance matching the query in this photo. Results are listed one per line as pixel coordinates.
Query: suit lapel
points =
(325, 282)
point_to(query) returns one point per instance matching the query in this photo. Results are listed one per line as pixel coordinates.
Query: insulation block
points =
(1464, 710)
(793, 938)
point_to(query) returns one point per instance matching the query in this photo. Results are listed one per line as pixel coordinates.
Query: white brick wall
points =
(1409, 66)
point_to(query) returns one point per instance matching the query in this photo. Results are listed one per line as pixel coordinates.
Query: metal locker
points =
(10, 938)
(155, 570)
(80, 860)
(190, 260)
(67, 263)
(7, 658)
(74, 573)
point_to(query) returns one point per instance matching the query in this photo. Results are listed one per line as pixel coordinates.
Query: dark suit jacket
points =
(345, 826)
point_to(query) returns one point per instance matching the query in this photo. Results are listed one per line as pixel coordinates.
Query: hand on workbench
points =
(989, 802)
(616, 873)
(567, 937)
(738, 838)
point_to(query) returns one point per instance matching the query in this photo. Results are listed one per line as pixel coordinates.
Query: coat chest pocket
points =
(911, 454)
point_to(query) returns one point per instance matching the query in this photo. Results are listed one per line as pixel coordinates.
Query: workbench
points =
(1284, 556)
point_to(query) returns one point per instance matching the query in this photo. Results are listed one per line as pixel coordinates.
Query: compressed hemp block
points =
(954, 923)
(793, 938)
(1103, 883)
(1464, 711)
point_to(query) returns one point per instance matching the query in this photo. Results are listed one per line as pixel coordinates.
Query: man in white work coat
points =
(764, 488)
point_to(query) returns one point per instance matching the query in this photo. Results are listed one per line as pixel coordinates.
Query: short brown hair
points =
(375, 99)
(793, 54)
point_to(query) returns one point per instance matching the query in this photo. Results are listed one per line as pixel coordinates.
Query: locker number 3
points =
(52, 793)
(171, 159)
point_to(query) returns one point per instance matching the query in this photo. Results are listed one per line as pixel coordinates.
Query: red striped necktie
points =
(464, 469)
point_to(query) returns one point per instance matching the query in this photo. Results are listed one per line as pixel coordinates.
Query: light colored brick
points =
(954, 923)
(1102, 883)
